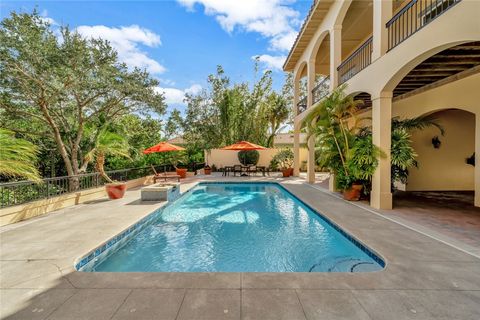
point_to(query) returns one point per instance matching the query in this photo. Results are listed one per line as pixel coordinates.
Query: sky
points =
(180, 42)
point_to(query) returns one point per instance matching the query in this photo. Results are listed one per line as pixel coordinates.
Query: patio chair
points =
(237, 168)
(252, 169)
(164, 176)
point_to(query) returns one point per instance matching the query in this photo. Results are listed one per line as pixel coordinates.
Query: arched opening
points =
(442, 158)
(322, 69)
(301, 84)
(357, 29)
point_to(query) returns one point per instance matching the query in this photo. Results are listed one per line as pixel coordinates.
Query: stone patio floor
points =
(423, 279)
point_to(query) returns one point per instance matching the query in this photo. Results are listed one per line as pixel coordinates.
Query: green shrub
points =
(247, 157)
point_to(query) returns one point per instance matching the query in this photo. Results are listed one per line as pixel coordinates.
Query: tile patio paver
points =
(38, 281)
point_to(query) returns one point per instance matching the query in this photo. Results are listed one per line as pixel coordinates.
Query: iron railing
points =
(20, 192)
(356, 62)
(413, 17)
(302, 105)
(321, 90)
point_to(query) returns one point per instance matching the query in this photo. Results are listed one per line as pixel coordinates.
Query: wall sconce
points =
(436, 142)
(471, 160)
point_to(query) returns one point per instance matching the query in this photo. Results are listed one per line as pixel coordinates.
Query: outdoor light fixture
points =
(471, 160)
(436, 142)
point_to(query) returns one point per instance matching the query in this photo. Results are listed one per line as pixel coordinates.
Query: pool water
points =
(239, 227)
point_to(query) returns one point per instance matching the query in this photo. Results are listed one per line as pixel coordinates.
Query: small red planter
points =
(353, 193)
(182, 173)
(207, 171)
(116, 190)
(287, 172)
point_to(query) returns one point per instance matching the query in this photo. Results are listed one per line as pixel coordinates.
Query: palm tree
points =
(349, 155)
(17, 157)
(107, 143)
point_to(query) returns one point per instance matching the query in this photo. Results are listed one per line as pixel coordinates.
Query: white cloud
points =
(271, 62)
(176, 96)
(273, 19)
(45, 18)
(126, 41)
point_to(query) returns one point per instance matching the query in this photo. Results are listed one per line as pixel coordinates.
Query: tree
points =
(62, 84)
(107, 143)
(174, 124)
(277, 114)
(17, 157)
(224, 113)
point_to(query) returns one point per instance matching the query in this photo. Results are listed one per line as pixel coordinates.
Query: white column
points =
(296, 148)
(335, 55)
(382, 13)
(477, 159)
(381, 196)
(311, 140)
(296, 129)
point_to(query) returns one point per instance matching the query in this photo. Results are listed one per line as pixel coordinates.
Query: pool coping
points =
(85, 262)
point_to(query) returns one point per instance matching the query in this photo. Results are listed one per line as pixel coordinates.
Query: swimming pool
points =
(233, 227)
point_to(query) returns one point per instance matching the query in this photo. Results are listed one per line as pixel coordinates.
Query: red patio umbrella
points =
(163, 147)
(243, 145)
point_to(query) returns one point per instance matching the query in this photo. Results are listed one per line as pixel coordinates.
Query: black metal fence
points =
(356, 62)
(302, 105)
(15, 193)
(321, 89)
(414, 16)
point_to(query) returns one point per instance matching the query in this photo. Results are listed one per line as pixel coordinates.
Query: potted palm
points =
(108, 143)
(344, 148)
(284, 159)
(176, 158)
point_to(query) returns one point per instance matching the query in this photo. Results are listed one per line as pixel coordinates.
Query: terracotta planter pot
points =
(207, 171)
(290, 172)
(353, 193)
(116, 190)
(286, 172)
(182, 173)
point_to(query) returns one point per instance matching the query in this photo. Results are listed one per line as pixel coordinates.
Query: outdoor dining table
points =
(244, 170)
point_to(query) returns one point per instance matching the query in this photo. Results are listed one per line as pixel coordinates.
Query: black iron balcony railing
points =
(321, 89)
(413, 17)
(356, 62)
(302, 105)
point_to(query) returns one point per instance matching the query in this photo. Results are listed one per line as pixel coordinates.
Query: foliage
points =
(225, 113)
(107, 143)
(247, 157)
(283, 159)
(17, 157)
(351, 156)
(59, 83)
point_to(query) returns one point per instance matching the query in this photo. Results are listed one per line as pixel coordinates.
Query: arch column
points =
(381, 196)
(335, 54)
(382, 13)
(477, 159)
(311, 140)
(296, 126)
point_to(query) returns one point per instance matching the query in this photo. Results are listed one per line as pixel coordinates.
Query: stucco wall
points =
(445, 168)
(221, 158)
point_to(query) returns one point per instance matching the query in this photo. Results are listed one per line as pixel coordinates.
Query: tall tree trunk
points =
(99, 165)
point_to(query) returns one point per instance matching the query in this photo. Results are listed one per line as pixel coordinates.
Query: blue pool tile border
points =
(136, 227)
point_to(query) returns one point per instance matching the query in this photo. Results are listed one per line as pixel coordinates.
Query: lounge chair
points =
(164, 176)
